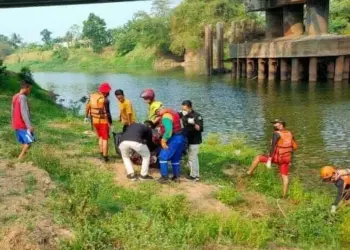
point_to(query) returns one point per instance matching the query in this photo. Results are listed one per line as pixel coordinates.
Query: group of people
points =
(164, 136)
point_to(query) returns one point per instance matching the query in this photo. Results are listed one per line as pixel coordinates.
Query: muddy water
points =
(318, 114)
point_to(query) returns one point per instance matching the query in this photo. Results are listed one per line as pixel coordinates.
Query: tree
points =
(15, 40)
(340, 16)
(161, 8)
(46, 36)
(76, 32)
(94, 28)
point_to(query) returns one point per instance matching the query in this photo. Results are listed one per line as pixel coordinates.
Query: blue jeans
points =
(173, 154)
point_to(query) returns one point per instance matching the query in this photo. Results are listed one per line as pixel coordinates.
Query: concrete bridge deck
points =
(35, 3)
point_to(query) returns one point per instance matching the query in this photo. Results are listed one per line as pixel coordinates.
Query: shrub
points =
(61, 54)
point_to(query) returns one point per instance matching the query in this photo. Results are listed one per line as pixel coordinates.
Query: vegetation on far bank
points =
(104, 212)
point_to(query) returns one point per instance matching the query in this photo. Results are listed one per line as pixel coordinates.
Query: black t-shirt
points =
(138, 133)
(194, 136)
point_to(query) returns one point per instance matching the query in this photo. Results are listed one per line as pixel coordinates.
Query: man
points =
(193, 128)
(172, 143)
(127, 114)
(282, 147)
(98, 110)
(21, 121)
(135, 138)
(148, 96)
(341, 179)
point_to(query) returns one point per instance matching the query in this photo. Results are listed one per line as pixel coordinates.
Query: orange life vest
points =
(97, 108)
(346, 179)
(285, 144)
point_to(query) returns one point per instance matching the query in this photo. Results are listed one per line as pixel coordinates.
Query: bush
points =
(229, 196)
(61, 54)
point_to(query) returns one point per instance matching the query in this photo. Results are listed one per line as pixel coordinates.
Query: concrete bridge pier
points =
(317, 17)
(208, 50)
(234, 69)
(273, 66)
(339, 69)
(261, 69)
(285, 70)
(239, 69)
(250, 68)
(296, 76)
(274, 23)
(244, 68)
(220, 47)
(330, 70)
(313, 69)
(293, 20)
(346, 70)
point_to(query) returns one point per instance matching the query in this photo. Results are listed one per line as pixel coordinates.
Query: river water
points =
(318, 114)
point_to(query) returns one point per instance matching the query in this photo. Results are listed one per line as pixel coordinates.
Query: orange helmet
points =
(327, 172)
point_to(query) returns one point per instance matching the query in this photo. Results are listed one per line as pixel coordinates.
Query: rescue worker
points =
(21, 122)
(148, 96)
(341, 179)
(172, 143)
(98, 110)
(135, 138)
(193, 128)
(127, 114)
(282, 147)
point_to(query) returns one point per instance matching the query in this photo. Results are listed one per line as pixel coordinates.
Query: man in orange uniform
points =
(98, 110)
(282, 147)
(341, 179)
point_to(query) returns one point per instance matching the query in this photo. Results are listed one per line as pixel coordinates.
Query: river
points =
(318, 114)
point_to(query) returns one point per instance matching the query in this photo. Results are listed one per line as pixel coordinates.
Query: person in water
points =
(341, 179)
(282, 146)
(21, 121)
(98, 110)
(148, 96)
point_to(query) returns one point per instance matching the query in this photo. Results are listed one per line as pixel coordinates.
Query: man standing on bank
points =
(193, 128)
(127, 114)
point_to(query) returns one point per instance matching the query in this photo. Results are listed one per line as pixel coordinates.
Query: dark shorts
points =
(283, 163)
(24, 136)
(102, 131)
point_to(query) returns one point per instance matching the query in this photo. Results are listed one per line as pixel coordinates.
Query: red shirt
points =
(17, 118)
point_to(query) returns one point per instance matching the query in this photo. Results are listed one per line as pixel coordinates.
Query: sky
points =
(29, 22)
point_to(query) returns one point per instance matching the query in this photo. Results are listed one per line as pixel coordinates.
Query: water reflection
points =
(318, 114)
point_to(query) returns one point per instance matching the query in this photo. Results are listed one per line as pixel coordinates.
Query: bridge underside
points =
(35, 3)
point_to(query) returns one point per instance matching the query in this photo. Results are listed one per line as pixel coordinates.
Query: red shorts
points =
(102, 130)
(283, 163)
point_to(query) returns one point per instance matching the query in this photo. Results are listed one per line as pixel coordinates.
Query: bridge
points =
(36, 3)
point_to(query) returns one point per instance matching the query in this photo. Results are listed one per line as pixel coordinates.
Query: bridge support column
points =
(244, 68)
(284, 70)
(339, 68)
(317, 17)
(293, 20)
(239, 69)
(330, 70)
(295, 70)
(273, 64)
(234, 69)
(261, 69)
(220, 46)
(208, 50)
(313, 69)
(346, 70)
(250, 68)
(274, 23)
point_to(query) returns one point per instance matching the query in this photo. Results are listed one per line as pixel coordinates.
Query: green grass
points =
(84, 60)
(105, 215)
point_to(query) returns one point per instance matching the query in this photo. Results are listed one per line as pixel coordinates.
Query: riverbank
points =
(98, 208)
(84, 60)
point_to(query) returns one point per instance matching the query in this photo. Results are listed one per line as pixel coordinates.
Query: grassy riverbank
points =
(102, 210)
(81, 60)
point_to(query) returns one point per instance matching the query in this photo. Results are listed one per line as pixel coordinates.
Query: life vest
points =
(346, 180)
(176, 121)
(97, 107)
(153, 107)
(285, 144)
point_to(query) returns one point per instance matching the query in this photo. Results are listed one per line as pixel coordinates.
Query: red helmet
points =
(104, 88)
(148, 94)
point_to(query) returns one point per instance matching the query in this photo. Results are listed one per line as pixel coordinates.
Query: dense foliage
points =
(340, 16)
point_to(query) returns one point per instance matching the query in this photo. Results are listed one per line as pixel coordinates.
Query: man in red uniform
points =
(282, 147)
(21, 122)
(98, 110)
